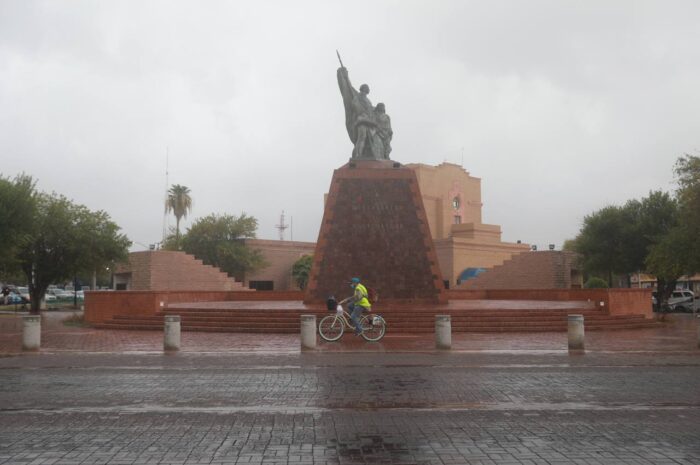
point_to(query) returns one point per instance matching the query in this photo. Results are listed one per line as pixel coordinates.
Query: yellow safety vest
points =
(364, 302)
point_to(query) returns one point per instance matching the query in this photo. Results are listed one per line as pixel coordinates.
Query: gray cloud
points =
(560, 107)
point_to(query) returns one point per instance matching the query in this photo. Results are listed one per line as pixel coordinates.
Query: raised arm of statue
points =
(348, 92)
(346, 89)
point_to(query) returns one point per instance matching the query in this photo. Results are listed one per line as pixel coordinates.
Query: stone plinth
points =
(374, 227)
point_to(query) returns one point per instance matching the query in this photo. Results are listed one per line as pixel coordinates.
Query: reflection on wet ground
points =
(679, 333)
(633, 398)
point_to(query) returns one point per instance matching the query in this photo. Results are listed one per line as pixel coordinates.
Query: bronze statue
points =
(369, 128)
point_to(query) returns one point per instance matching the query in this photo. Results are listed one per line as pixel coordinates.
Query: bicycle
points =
(332, 327)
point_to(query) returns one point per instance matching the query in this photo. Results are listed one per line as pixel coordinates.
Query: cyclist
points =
(358, 303)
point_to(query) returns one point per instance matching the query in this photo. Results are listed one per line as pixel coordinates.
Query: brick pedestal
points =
(374, 227)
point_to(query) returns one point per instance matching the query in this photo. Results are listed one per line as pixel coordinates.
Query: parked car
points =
(24, 292)
(15, 298)
(59, 294)
(682, 301)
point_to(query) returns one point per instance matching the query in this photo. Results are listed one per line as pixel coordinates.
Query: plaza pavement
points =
(113, 397)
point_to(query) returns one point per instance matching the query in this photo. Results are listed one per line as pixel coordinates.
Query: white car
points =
(59, 293)
(682, 301)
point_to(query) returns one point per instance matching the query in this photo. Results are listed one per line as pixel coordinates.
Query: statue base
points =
(375, 228)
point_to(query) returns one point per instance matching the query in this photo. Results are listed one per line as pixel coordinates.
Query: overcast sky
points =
(560, 107)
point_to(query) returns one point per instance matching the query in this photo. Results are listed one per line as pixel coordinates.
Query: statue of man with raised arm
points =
(363, 121)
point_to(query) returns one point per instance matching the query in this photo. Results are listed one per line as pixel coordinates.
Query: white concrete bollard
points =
(31, 332)
(308, 332)
(576, 333)
(443, 332)
(171, 333)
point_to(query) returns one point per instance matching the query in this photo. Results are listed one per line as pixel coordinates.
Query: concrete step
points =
(153, 323)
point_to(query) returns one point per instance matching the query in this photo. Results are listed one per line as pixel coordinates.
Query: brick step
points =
(212, 318)
(378, 309)
(407, 319)
(291, 330)
(413, 314)
(218, 329)
(398, 319)
(232, 323)
(397, 322)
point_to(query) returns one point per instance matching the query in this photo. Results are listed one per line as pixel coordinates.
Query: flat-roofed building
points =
(464, 245)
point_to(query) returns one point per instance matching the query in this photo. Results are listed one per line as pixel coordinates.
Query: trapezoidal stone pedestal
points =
(375, 228)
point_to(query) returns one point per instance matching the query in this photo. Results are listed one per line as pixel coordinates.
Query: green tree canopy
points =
(677, 252)
(601, 242)
(687, 171)
(595, 283)
(67, 239)
(17, 211)
(218, 240)
(617, 240)
(301, 270)
(180, 203)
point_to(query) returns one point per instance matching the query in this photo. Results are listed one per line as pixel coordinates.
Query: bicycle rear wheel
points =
(331, 328)
(373, 327)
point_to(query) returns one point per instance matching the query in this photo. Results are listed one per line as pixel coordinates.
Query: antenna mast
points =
(282, 226)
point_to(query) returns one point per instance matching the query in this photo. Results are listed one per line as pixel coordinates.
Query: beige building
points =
(280, 256)
(452, 200)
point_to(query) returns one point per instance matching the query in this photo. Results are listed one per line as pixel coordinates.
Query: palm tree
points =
(180, 203)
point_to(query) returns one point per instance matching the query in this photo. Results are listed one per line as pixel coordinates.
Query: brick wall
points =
(528, 270)
(614, 301)
(101, 306)
(167, 270)
(374, 227)
(630, 301)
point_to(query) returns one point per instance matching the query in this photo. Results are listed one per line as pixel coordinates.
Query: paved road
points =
(338, 408)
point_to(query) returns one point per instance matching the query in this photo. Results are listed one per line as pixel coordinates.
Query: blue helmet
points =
(355, 280)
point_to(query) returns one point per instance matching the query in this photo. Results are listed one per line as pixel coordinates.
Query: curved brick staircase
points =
(256, 318)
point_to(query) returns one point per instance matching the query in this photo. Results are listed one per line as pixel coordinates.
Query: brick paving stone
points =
(678, 334)
(400, 409)
(233, 401)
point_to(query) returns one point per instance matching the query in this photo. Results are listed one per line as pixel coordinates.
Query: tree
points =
(102, 244)
(569, 245)
(218, 240)
(180, 203)
(618, 239)
(595, 283)
(687, 171)
(67, 239)
(668, 261)
(601, 241)
(17, 210)
(677, 253)
(301, 270)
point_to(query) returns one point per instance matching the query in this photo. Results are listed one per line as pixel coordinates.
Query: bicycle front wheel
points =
(331, 328)
(373, 328)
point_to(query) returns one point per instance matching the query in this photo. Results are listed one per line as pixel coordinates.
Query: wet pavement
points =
(679, 333)
(112, 397)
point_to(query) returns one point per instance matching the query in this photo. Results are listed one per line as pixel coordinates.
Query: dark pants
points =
(355, 312)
